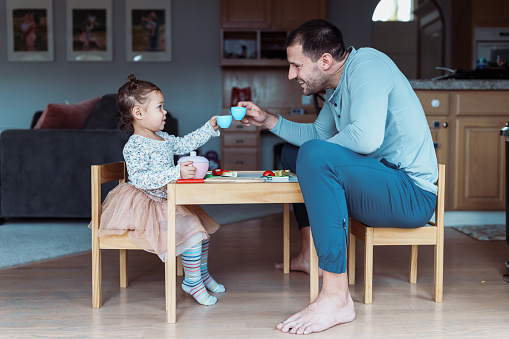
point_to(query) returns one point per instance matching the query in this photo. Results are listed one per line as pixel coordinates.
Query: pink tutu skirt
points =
(143, 216)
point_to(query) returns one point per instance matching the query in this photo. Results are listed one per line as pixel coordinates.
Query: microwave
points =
(492, 44)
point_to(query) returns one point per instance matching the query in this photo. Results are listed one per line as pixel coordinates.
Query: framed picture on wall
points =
(29, 30)
(148, 31)
(89, 30)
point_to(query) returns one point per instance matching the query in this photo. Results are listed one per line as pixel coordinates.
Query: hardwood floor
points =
(53, 298)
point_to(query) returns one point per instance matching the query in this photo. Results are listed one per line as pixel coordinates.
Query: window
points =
(394, 10)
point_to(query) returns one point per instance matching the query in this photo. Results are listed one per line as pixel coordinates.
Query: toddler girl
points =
(139, 206)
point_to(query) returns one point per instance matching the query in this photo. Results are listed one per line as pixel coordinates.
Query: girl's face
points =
(151, 116)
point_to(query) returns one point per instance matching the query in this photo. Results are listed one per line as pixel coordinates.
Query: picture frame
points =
(30, 30)
(148, 30)
(89, 30)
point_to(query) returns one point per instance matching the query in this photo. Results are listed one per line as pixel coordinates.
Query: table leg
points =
(314, 278)
(286, 238)
(170, 265)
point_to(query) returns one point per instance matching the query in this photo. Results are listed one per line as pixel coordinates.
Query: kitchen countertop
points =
(456, 84)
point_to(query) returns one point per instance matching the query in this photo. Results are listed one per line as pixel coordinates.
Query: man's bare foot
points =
(325, 312)
(298, 263)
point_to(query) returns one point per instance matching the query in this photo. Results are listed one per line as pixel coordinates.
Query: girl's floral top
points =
(150, 162)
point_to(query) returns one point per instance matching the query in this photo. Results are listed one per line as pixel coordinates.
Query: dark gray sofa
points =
(45, 173)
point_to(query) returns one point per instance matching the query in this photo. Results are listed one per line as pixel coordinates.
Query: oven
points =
(491, 44)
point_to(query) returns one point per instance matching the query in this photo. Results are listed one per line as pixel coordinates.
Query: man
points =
(368, 155)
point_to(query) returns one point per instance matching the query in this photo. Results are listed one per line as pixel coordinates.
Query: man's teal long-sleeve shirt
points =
(373, 111)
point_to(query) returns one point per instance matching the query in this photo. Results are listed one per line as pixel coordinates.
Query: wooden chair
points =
(425, 235)
(102, 174)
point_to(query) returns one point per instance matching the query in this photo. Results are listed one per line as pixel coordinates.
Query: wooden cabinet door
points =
(490, 12)
(439, 127)
(239, 159)
(440, 131)
(291, 14)
(480, 164)
(246, 14)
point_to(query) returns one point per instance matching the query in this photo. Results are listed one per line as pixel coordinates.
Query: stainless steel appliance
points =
(492, 44)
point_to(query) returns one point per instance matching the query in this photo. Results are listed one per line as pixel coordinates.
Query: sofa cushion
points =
(104, 115)
(66, 116)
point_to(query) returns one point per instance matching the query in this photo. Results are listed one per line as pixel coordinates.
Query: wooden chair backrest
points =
(101, 174)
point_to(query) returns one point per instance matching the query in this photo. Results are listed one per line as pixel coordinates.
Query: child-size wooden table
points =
(240, 190)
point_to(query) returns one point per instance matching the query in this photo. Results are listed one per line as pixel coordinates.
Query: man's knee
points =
(310, 153)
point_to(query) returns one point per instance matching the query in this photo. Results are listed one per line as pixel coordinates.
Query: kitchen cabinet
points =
(246, 14)
(240, 147)
(465, 128)
(480, 154)
(490, 12)
(480, 160)
(270, 14)
(253, 33)
(290, 14)
(436, 106)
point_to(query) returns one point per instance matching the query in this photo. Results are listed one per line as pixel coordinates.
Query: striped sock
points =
(193, 284)
(209, 282)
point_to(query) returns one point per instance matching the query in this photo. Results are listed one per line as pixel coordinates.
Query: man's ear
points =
(137, 112)
(326, 60)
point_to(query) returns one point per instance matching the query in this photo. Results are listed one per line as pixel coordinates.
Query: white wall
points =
(191, 82)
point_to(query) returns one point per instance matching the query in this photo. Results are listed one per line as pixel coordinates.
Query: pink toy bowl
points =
(201, 164)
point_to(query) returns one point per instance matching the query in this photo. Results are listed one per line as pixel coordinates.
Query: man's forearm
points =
(271, 121)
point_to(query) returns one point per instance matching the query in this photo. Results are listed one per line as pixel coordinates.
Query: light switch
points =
(435, 103)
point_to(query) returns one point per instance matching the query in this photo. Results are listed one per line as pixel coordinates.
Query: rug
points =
(24, 241)
(483, 232)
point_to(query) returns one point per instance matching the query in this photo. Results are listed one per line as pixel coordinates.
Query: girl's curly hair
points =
(132, 93)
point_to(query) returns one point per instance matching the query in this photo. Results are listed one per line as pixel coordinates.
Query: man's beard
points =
(314, 85)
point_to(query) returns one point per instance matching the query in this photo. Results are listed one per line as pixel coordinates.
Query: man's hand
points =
(257, 116)
(186, 170)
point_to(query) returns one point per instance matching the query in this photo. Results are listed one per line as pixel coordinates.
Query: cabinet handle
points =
(239, 162)
(239, 126)
(445, 125)
(239, 141)
(435, 145)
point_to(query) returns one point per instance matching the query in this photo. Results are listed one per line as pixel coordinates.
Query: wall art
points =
(89, 30)
(148, 31)
(29, 30)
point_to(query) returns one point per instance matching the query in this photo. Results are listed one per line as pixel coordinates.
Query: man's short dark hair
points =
(318, 37)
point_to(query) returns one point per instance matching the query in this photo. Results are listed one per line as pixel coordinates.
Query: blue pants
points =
(337, 183)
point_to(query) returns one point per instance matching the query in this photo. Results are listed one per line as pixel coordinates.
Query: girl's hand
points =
(186, 170)
(213, 122)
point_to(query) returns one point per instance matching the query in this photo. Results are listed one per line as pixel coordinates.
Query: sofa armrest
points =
(46, 173)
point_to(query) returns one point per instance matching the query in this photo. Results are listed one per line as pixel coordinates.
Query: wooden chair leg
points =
(123, 268)
(97, 298)
(413, 263)
(351, 259)
(286, 238)
(368, 266)
(439, 272)
(180, 267)
(314, 278)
